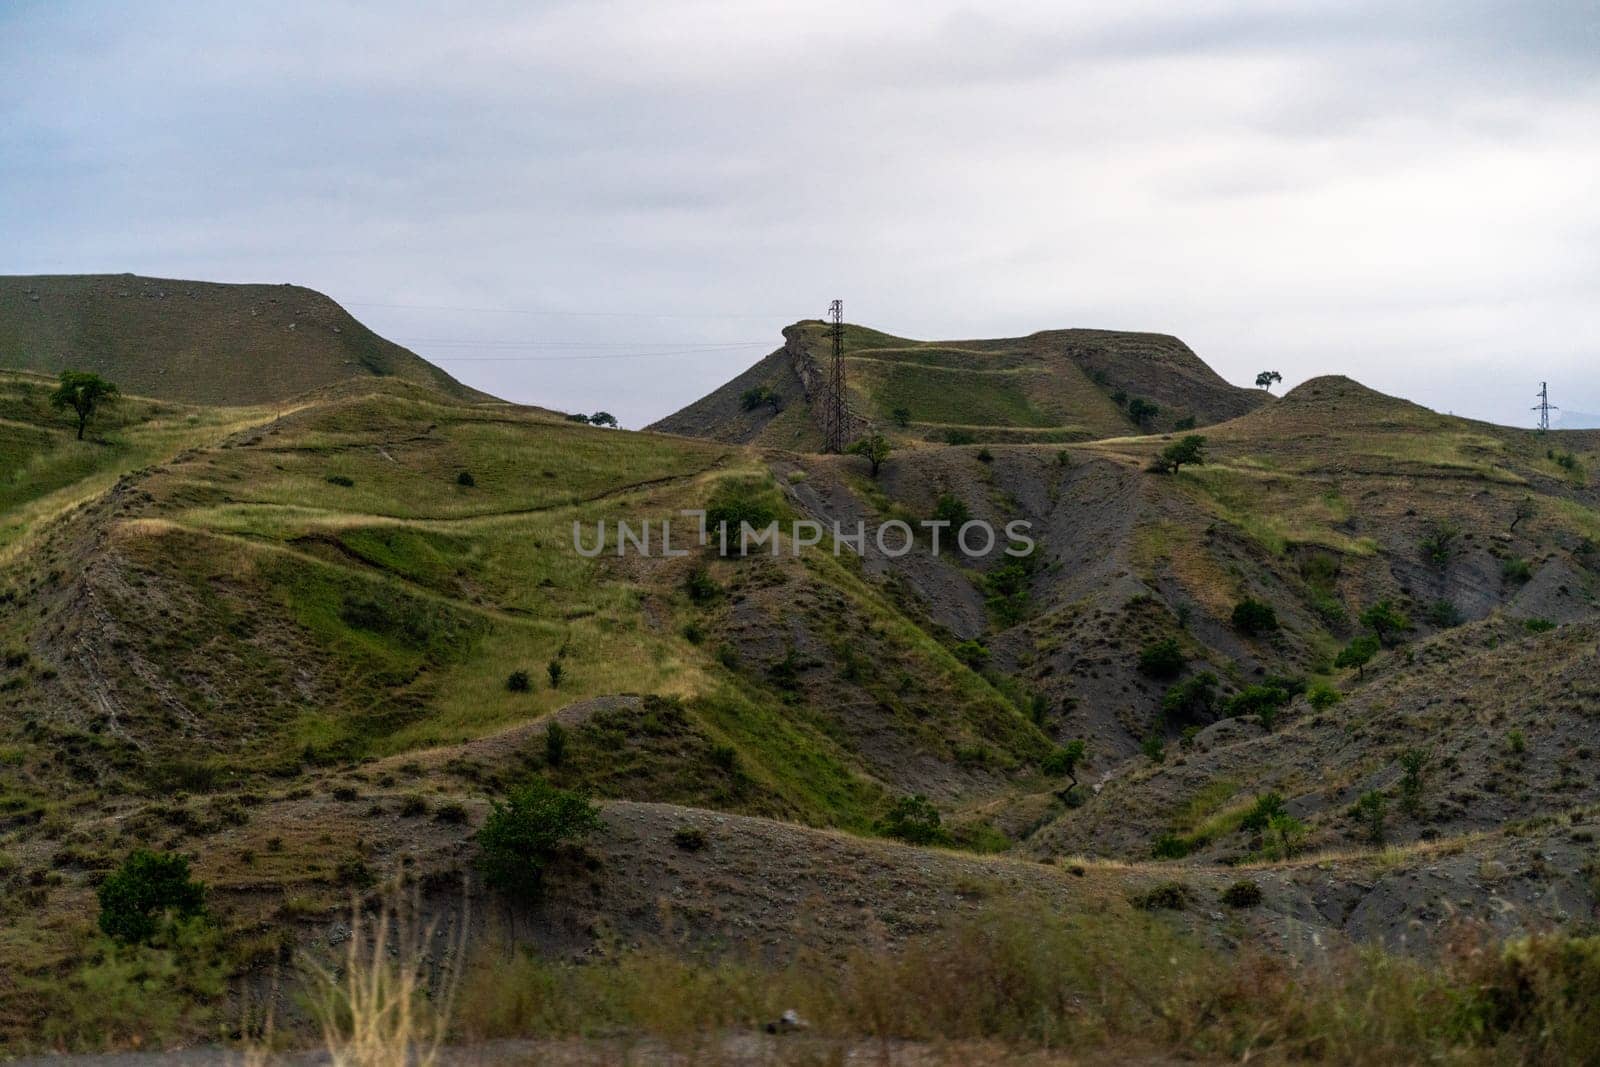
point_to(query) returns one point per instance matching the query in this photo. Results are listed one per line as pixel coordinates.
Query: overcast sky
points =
(1405, 193)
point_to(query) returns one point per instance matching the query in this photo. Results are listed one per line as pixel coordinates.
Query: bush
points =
(737, 502)
(145, 893)
(518, 682)
(1439, 545)
(1154, 748)
(555, 671)
(1538, 626)
(914, 819)
(700, 586)
(689, 838)
(1242, 894)
(1163, 659)
(1323, 696)
(1442, 615)
(1385, 621)
(1253, 617)
(523, 833)
(950, 508)
(985, 456)
(1192, 700)
(1516, 570)
(1170, 846)
(1168, 896)
(340, 480)
(958, 437)
(973, 653)
(466, 480)
(555, 744)
(1267, 807)
(901, 416)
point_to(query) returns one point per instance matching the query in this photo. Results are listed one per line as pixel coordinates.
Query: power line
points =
(601, 355)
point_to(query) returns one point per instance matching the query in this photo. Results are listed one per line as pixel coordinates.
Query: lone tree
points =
(902, 417)
(1064, 761)
(603, 418)
(1191, 450)
(1142, 411)
(524, 833)
(874, 448)
(1358, 653)
(1525, 510)
(1267, 378)
(85, 393)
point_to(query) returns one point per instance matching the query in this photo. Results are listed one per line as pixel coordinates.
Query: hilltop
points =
(198, 342)
(1056, 385)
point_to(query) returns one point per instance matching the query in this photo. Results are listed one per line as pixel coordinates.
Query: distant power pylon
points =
(836, 407)
(1544, 407)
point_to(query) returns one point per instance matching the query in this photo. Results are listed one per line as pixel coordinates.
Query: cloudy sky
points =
(618, 205)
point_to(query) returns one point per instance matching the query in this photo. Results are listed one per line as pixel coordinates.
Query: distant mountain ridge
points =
(1055, 385)
(201, 342)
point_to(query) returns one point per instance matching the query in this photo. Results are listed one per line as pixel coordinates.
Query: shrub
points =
(1517, 742)
(1323, 696)
(1371, 811)
(1538, 626)
(1191, 700)
(1154, 748)
(760, 396)
(1267, 807)
(524, 832)
(1257, 700)
(1440, 544)
(901, 417)
(1442, 615)
(958, 437)
(1170, 846)
(466, 480)
(737, 502)
(1168, 896)
(413, 806)
(147, 891)
(1358, 653)
(689, 838)
(1242, 894)
(700, 586)
(1413, 763)
(1163, 659)
(555, 744)
(1386, 622)
(1142, 411)
(985, 456)
(914, 819)
(951, 509)
(451, 814)
(555, 671)
(725, 758)
(1516, 570)
(518, 682)
(1252, 617)
(973, 653)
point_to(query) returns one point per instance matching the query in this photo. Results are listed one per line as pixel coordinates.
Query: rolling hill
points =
(1057, 385)
(199, 342)
(309, 645)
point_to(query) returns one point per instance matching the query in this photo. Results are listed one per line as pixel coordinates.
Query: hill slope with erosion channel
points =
(309, 648)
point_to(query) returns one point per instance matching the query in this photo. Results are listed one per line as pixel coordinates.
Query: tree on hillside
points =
(901, 416)
(85, 393)
(149, 889)
(1142, 411)
(1267, 378)
(578, 417)
(1190, 450)
(603, 418)
(1525, 510)
(525, 832)
(1385, 621)
(1358, 653)
(1064, 761)
(874, 448)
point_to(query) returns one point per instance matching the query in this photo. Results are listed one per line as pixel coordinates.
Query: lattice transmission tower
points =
(1544, 407)
(837, 410)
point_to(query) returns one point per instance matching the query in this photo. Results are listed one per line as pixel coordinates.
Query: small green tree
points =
(1065, 760)
(524, 832)
(1192, 700)
(603, 418)
(951, 509)
(1526, 509)
(1385, 621)
(555, 744)
(874, 448)
(914, 819)
(1372, 810)
(1285, 835)
(148, 890)
(901, 417)
(1413, 765)
(85, 393)
(1142, 411)
(1441, 544)
(1267, 378)
(1322, 696)
(1189, 450)
(1358, 653)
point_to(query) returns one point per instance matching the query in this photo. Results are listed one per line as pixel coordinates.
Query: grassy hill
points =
(199, 342)
(1058, 385)
(309, 646)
